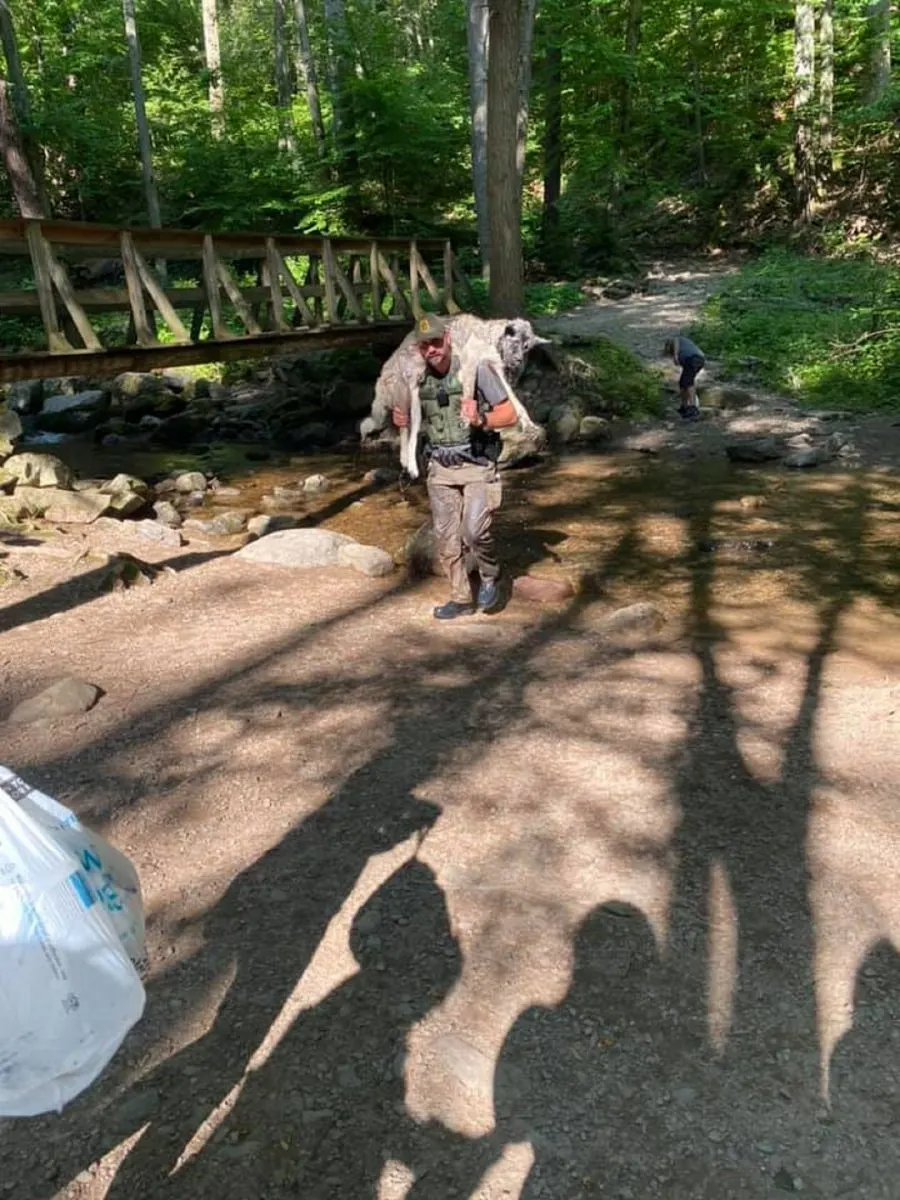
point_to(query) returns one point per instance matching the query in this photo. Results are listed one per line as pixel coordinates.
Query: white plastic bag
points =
(71, 944)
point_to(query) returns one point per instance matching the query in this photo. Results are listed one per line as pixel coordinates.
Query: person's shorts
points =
(690, 369)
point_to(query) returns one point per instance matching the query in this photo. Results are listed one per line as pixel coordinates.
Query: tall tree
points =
(507, 283)
(632, 45)
(804, 136)
(478, 26)
(21, 177)
(826, 90)
(140, 110)
(552, 145)
(340, 75)
(307, 67)
(18, 96)
(879, 17)
(283, 83)
(213, 55)
(526, 36)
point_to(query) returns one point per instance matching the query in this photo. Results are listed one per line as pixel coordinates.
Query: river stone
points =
(83, 400)
(155, 531)
(39, 470)
(10, 429)
(191, 481)
(314, 483)
(126, 494)
(167, 513)
(370, 560)
(593, 429)
(542, 591)
(296, 548)
(642, 617)
(76, 508)
(753, 450)
(62, 699)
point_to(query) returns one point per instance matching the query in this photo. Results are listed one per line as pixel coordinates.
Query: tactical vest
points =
(441, 399)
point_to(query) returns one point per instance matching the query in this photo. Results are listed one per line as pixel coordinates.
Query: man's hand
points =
(400, 417)
(469, 410)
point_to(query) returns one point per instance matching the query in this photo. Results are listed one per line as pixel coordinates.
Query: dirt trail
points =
(554, 904)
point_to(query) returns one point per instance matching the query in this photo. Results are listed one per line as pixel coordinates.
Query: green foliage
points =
(824, 330)
(602, 371)
(541, 299)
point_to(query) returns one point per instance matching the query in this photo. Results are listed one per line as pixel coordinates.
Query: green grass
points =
(541, 299)
(825, 330)
(604, 372)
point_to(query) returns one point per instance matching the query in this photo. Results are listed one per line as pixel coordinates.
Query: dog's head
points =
(516, 343)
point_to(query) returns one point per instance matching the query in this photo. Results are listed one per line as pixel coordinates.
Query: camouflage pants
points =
(463, 502)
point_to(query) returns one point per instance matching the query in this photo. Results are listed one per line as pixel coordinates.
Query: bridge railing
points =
(189, 296)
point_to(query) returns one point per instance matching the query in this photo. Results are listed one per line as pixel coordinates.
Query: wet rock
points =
(296, 548)
(564, 423)
(93, 401)
(25, 396)
(164, 535)
(39, 470)
(127, 494)
(190, 481)
(807, 456)
(542, 591)
(369, 560)
(222, 525)
(593, 429)
(521, 446)
(315, 483)
(131, 384)
(62, 699)
(167, 514)
(753, 450)
(642, 617)
(381, 476)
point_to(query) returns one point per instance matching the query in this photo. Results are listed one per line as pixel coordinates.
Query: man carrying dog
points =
(462, 449)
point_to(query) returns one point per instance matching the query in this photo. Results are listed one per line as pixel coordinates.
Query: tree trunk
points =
(478, 106)
(21, 177)
(214, 65)
(552, 147)
(826, 88)
(804, 73)
(140, 112)
(527, 11)
(283, 89)
(22, 105)
(307, 67)
(698, 97)
(632, 45)
(507, 290)
(879, 17)
(339, 73)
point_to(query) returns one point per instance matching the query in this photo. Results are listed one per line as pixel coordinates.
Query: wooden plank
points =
(74, 309)
(41, 365)
(328, 272)
(144, 335)
(433, 290)
(414, 279)
(241, 307)
(348, 290)
(273, 270)
(391, 280)
(101, 240)
(282, 270)
(211, 282)
(375, 277)
(43, 281)
(449, 300)
(312, 281)
(161, 300)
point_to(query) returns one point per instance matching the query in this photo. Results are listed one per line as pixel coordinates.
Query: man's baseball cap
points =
(430, 327)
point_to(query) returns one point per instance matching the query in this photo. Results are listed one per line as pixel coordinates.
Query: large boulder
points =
(564, 423)
(126, 493)
(65, 698)
(370, 560)
(39, 470)
(72, 414)
(296, 548)
(25, 396)
(10, 429)
(753, 450)
(521, 446)
(75, 508)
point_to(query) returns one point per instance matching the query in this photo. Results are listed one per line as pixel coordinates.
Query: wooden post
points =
(273, 271)
(211, 283)
(56, 340)
(449, 300)
(328, 270)
(241, 307)
(401, 305)
(375, 281)
(144, 335)
(160, 299)
(426, 276)
(280, 270)
(414, 279)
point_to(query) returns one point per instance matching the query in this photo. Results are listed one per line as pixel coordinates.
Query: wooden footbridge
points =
(171, 297)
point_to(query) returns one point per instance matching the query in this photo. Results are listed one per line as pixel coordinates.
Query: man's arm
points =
(500, 412)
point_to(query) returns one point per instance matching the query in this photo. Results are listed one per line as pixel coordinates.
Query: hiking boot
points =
(453, 608)
(488, 596)
(690, 412)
